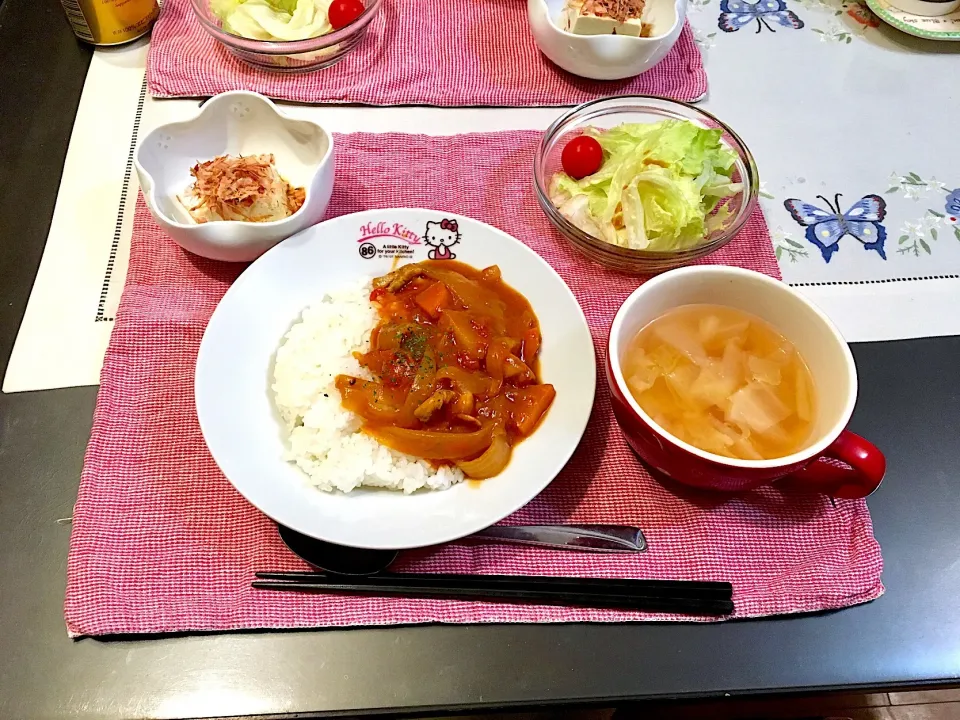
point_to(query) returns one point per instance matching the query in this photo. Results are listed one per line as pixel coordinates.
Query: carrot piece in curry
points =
(434, 299)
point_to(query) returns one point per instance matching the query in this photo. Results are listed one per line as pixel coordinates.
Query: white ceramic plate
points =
(235, 368)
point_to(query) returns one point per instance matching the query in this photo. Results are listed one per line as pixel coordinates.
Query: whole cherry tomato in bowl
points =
(581, 156)
(349, 21)
(344, 12)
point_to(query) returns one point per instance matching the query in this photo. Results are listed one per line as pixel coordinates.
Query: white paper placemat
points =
(838, 106)
(69, 315)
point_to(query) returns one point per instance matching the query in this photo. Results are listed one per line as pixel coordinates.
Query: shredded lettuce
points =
(659, 187)
(273, 19)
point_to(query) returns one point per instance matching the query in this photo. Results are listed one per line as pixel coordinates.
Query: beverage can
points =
(110, 22)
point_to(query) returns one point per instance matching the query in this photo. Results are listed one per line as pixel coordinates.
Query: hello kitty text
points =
(388, 230)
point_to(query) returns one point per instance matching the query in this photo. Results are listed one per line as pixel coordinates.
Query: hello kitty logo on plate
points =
(441, 236)
(395, 240)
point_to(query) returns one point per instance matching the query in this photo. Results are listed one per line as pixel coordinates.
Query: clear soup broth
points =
(724, 381)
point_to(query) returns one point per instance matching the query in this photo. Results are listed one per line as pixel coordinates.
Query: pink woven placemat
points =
(454, 52)
(162, 542)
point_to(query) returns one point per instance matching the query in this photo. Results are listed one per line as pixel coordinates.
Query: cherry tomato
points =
(582, 156)
(344, 12)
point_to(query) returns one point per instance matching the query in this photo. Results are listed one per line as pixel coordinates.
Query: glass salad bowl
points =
(722, 224)
(289, 56)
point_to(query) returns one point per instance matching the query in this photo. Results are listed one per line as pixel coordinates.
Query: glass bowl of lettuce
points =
(283, 35)
(674, 183)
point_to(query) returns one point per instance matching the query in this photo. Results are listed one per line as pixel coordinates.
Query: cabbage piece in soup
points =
(722, 380)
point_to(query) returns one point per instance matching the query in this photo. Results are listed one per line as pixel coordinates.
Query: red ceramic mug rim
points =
(681, 275)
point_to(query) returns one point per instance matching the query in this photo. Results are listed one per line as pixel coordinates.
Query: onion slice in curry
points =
(492, 462)
(433, 444)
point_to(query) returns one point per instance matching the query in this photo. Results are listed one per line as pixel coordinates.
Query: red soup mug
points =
(861, 465)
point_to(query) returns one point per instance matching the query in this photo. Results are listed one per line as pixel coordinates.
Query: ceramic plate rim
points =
(882, 10)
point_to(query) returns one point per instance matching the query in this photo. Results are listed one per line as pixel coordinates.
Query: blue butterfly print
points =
(826, 228)
(953, 205)
(735, 14)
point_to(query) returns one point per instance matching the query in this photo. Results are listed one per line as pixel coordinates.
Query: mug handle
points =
(867, 466)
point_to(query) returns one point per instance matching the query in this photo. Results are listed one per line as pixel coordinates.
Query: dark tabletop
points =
(909, 406)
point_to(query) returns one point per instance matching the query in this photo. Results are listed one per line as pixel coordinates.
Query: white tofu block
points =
(579, 23)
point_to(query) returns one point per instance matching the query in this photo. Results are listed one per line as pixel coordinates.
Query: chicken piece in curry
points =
(454, 366)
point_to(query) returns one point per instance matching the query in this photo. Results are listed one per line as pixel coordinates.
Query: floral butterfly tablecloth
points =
(853, 125)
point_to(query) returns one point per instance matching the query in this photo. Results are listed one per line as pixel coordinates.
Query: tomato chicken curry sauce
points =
(454, 368)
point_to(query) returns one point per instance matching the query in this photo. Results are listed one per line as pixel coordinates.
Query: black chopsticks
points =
(685, 597)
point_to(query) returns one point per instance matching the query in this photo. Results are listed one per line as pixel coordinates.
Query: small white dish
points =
(606, 57)
(234, 375)
(234, 123)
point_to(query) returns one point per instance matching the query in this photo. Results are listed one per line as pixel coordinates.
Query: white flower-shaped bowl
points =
(606, 57)
(234, 123)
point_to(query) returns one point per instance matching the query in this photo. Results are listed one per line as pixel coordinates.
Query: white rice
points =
(324, 439)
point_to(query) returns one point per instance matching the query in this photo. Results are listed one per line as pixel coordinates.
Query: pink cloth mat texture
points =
(455, 52)
(162, 542)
